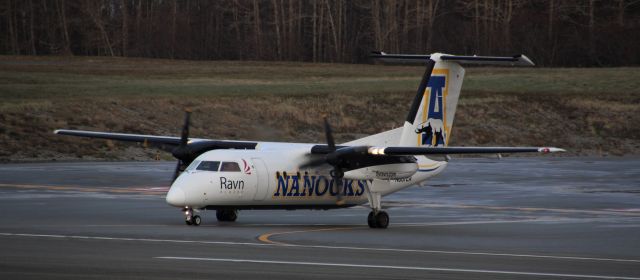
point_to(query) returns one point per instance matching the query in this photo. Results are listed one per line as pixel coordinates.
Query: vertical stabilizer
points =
(430, 119)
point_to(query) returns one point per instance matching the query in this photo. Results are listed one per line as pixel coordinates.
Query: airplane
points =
(228, 176)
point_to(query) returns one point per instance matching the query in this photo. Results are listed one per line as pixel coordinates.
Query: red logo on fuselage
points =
(247, 168)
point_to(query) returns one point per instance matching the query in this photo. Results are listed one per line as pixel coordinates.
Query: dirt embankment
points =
(594, 111)
(584, 125)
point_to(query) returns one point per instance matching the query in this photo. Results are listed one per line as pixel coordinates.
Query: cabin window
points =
(230, 166)
(209, 165)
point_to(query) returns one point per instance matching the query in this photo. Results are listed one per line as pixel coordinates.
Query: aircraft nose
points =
(176, 197)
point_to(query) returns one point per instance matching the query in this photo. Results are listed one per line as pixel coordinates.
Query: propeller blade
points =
(329, 135)
(337, 176)
(314, 163)
(176, 173)
(333, 160)
(184, 136)
(182, 151)
(338, 183)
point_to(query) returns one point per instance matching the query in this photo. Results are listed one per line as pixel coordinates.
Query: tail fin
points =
(430, 119)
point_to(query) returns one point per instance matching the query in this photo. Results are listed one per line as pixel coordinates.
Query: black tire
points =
(188, 222)
(382, 219)
(220, 215)
(371, 220)
(232, 215)
(226, 215)
(196, 220)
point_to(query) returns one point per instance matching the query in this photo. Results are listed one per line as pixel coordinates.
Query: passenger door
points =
(262, 185)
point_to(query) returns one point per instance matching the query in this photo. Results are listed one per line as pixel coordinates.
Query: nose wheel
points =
(191, 219)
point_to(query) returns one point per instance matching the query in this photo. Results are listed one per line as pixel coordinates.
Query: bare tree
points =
(62, 13)
(94, 10)
(257, 29)
(125, 27)
(334, 31)
(32, 37)
(315, 32)
(276, 20)
(13, 34)
(432, 13)
(553, 32)
(174, 15)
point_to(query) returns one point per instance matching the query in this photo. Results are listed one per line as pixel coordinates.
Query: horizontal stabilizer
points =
(458, 150)
(408, 151)
(516, 60)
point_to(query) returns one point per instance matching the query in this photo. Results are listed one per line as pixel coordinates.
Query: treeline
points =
(552, 32)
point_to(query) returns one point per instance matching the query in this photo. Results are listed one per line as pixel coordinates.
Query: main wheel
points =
(382, 219)
(371, 220)
(227, 215)
(196, 220)
(220, 215)
(232, 215)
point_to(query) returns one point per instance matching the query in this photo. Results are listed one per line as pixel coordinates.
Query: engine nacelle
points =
(384, 172)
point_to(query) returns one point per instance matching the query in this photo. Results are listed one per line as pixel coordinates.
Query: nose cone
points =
(175, 196)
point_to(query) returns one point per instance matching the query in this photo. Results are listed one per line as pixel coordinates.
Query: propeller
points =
(182, 152)
(333, 159)
(187, 151)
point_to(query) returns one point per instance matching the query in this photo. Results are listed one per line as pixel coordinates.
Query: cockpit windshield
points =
(229, 166)
(193, 165)
(205, 165)
(208, 166)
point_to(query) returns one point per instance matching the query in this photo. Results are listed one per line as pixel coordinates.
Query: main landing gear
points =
(190, 219)
(377, 218)
(227, 215)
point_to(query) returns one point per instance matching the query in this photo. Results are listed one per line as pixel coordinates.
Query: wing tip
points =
(547, 150)
(525, 61)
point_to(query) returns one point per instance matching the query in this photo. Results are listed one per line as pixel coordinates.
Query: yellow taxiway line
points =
(266, 237)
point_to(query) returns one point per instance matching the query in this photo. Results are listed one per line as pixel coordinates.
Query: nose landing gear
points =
(223, 215)
(190, 219)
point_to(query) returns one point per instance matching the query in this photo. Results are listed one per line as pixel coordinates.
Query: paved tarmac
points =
(514, 218)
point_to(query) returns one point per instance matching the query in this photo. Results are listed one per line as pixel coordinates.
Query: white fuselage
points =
(271, 177)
